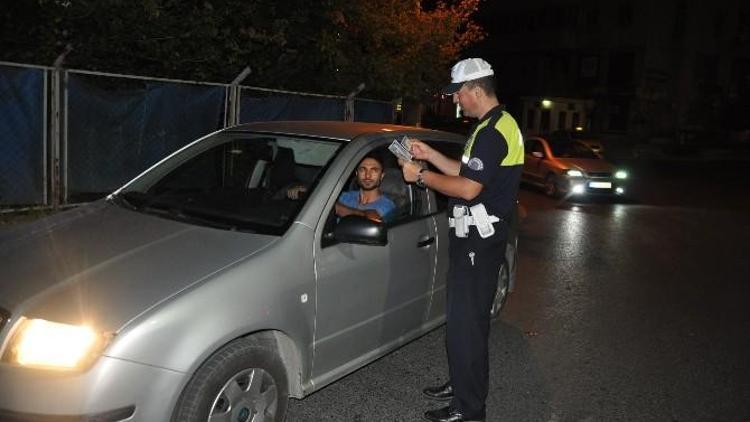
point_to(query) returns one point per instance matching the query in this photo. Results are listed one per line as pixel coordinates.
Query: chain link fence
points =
(69, 136)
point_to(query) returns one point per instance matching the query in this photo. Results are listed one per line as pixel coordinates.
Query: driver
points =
(367, 201)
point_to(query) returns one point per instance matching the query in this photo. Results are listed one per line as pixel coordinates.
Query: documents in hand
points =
(401, 148)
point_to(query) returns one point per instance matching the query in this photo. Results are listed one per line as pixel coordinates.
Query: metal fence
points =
(69, 136)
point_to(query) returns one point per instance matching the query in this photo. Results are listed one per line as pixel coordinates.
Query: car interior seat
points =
(394, 187)
(282, 170)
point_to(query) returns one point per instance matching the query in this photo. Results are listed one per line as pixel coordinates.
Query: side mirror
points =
(537, 154)
(358, 229)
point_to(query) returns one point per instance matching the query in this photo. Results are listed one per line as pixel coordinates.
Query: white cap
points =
(467, 70)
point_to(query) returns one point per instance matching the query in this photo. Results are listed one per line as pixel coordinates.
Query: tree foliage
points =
(397, 48)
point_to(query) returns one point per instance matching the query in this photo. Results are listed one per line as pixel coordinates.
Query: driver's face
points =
(369, 174)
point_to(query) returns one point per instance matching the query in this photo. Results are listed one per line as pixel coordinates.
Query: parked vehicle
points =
(570, 168)
(199, 291)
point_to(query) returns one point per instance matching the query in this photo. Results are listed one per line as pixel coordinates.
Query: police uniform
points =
(493, 156)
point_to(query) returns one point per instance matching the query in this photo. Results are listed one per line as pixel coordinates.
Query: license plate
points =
(600, 185)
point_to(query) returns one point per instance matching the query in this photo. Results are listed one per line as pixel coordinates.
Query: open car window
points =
(236, 182)
(410, 201)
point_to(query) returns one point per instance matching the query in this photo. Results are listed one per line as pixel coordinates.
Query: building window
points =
(621, 70)
(625, 15)
(562, 118)
(573, 14)
(530, 118)
(589, 67)
(592, 17)
(544, 125)
(719, 21)
(575, 120)
(680, 17)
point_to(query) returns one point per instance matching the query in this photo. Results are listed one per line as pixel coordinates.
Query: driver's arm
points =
(342, 211)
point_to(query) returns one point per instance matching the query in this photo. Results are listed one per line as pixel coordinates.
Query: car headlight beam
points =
(621, 174)
(53, 345)
(574, 173)
(578, 189)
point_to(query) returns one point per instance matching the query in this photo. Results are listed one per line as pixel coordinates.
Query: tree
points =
(398, 48)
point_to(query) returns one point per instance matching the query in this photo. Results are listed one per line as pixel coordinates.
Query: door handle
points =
(426, 242)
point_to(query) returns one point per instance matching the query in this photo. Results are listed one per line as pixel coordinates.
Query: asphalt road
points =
(629, 310)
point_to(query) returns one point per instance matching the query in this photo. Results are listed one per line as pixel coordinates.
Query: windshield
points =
(571, 150)
(233, 181)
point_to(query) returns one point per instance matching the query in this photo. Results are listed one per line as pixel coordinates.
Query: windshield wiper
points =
(126, 200)
(178, 214)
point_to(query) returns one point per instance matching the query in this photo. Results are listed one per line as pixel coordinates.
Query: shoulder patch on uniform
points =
(475, 164)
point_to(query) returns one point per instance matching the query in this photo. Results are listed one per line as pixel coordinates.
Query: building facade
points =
(640, 67)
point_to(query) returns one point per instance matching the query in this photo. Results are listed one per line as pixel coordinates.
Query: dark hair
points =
(486, 84)
(375, 156)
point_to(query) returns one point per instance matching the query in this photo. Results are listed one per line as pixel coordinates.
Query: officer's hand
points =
(420, 150)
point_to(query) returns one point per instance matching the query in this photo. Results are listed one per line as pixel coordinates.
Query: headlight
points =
(578, 189)
(574, 173)
(621, 174)
(52, 345)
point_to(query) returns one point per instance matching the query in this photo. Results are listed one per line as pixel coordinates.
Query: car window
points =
(411, 202)
(533, 145)
(238, 182)
(572, 150)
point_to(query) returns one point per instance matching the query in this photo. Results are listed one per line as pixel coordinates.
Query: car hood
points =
(105, 265)
(588, 165)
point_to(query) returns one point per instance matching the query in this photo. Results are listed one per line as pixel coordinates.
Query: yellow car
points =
(570, 168)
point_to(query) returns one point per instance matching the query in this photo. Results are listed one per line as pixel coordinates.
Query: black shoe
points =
(448, 414)
(443, 392)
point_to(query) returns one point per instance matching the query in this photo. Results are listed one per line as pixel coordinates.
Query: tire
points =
(551, 187)
(244, 381)
(501, 293)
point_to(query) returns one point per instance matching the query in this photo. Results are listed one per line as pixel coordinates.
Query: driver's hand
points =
(296, 192)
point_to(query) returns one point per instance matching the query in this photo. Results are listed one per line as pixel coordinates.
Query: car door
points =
(372, 298)
(534, 154)
(439, 211)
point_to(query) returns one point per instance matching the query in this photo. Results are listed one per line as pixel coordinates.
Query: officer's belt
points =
(470, 220)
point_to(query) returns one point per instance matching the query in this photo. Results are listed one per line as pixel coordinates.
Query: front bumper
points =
(116, 415)
(594, 186)
(113, 390)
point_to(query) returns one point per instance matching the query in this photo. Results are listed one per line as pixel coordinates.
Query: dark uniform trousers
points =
(470, 291)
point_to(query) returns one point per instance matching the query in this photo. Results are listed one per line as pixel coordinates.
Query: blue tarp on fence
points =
(116, 126)
(261, 106)
(371, 111)
(21, 136)
(113, 135)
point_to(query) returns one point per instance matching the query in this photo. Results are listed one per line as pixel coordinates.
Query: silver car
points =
(200, 292)
(570, 168)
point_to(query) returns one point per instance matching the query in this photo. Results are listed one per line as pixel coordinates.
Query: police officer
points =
(482, 187)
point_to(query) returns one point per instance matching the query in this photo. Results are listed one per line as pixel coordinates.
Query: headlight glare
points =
(53, 345)
(621, 174)
(574, 173)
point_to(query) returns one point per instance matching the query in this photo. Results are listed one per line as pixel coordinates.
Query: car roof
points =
(341, 130)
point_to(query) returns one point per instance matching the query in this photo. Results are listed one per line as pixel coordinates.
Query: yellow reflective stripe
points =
(470, 143)
(508, 127)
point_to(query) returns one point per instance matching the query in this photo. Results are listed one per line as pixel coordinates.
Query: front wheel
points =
(551, 187)
(244, 381)
(501, 294)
